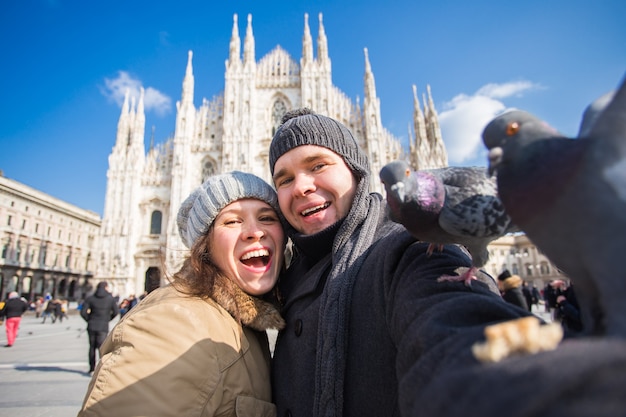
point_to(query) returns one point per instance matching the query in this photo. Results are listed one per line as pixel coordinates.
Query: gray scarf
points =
(352, 241)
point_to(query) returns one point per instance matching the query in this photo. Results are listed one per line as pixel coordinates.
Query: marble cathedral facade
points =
(139, 241)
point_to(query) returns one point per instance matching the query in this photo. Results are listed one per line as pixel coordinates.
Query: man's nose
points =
(304, 184)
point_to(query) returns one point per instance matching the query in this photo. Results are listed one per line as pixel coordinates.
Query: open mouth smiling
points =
(315, 209)
(256, 258)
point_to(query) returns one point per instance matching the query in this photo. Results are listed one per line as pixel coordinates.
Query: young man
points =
(370, 331)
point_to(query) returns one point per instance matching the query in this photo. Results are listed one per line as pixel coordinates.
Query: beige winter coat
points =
(174, 355)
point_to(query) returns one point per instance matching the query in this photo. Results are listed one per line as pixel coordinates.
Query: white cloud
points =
(464, 118)
(506, 90)
(115, 89)
(154, 99)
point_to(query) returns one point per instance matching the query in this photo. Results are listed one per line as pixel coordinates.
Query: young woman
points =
(198, 347)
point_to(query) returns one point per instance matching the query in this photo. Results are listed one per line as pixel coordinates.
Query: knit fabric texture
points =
(199, 210)
(353, 239)
(315, 129)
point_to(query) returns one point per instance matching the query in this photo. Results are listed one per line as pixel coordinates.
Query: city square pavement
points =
(44, 374)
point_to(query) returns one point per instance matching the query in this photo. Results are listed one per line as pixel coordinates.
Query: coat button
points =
(298, 327)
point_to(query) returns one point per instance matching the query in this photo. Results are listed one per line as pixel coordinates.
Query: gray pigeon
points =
(569, 196)
(592, 112)
(452, 205)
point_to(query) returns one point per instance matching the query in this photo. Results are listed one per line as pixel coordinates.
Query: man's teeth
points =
(255, 254)
(314, 209)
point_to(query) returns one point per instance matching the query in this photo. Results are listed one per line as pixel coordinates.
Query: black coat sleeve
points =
(434, 325)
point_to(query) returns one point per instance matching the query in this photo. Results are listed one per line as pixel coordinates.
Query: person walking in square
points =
(98, 310)
(12, 313)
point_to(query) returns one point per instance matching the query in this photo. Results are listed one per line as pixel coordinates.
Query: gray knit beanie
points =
(200, 209)
(308, 128)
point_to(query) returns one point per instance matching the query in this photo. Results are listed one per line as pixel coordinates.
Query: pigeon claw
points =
(432, 247)
(465, 277)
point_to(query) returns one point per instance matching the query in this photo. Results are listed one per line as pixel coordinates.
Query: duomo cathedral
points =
(139, 242)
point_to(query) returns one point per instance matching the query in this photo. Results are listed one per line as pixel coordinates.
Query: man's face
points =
(315, 187)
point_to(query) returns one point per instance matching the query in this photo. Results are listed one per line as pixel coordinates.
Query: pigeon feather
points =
(569, 196)
(451, 205)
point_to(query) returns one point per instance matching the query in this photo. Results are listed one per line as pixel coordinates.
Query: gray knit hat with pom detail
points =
(199, 210)
(304, 127)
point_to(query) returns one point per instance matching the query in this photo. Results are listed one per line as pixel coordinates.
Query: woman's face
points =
(247, 244)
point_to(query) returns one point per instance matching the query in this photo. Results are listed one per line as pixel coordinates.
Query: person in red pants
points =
(12, 311)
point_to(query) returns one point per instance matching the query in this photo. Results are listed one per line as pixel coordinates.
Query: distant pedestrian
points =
(124, 306)
(98, 310)
(12, 311)
(39, 306)
(528, 295)
(62, 309)
(48, 312)
(58, 311)
(511, 288)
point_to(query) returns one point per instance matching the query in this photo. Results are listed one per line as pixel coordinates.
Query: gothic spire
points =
(152, 139)
(248, 46)
(123, 123)
(235, 43)
(322, 43)
(124, 113)
(418, 117)
(188, 82)
(431, 103)
(307, 42)
(125, 105)
(411, 143)
(140, 121)
(370, 84)
(419, 124)
(140, 105)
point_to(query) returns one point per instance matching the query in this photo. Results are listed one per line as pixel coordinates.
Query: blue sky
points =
(65, 63)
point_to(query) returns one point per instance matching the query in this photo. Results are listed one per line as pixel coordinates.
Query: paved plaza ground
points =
(44, 374)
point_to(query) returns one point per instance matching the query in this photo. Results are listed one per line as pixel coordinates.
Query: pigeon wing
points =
(472, 207)
(611, 123)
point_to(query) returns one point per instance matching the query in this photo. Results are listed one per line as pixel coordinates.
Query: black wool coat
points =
(98, 309)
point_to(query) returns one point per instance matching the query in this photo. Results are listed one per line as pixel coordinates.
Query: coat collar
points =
(250, 310)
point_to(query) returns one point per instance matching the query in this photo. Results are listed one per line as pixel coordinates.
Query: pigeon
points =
(569, 196)
(451, 205)
(591, 113)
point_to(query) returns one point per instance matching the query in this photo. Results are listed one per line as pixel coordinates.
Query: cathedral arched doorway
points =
(153, 279)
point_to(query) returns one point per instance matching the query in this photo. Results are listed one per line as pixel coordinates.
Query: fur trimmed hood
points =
(251, 311)
(514, 281)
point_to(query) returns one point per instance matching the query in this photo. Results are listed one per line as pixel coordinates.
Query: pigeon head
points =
(412, 191)
(511, 131)
(394, 177)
